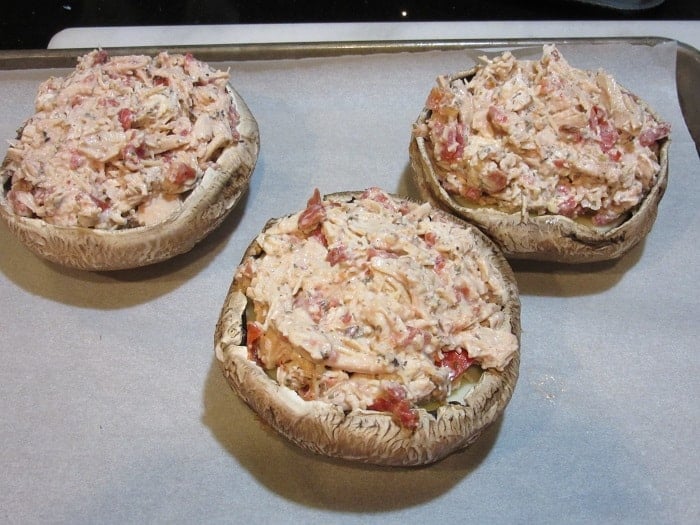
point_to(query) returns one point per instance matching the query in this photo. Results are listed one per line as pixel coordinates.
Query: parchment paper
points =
(113, 409)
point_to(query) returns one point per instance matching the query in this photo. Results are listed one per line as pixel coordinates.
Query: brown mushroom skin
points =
(553, 238)
(367, 436)
(201, 212)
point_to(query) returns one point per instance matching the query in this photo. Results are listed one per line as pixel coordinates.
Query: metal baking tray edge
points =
(687, 58)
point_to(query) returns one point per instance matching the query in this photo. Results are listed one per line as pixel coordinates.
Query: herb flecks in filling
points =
(374, 303)
(541, 137)
(120, 141)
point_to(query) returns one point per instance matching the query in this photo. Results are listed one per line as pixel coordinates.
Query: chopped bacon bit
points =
(336, 255)
(76, 160)
(126, 118)
(496, 117)
(602, 127)
(314, 214)
(430, 239)
(413, 333)
(101, 204)
(472, 193)
(439, 265)
(650, 136)
(458, 361)
(495, 181)
(604, 217)
(571, 133)
(393, 400)
(319, 236)
(453, 140)
(160, 81)
(615, 155)
(560, 163)
(375, 194)
(110, 101)
(462, 291)
(568, 207)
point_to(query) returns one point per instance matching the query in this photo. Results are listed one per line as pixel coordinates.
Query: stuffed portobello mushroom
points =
(127, 161)
(372, 328)
(552, 162)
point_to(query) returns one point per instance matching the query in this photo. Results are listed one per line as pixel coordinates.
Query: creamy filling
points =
(539, 137)
(121, 141)
(373, 303)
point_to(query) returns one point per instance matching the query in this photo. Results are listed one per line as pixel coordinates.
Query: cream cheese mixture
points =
(373, 303)
(120, 141)
(542, 137)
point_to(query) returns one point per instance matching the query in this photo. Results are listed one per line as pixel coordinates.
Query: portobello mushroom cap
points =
(548, 237)
(201, 211)
(365, 435)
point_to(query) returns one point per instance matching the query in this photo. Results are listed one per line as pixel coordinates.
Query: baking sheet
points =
(114, 410)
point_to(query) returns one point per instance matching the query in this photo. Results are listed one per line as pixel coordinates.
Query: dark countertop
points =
(30, 24)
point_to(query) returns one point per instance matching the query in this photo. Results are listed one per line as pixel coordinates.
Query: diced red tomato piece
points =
(313, 215)
(253, 333)
(126, 118)
(458, 361)
(336, 255)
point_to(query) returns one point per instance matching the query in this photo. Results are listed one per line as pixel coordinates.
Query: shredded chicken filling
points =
(373, 303)
(542, 137)
(120, 141)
